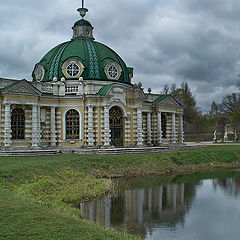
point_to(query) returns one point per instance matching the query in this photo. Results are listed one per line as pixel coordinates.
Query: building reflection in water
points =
(141, 210)
(230, 186)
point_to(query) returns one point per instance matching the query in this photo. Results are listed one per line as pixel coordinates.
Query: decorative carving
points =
(169, 101)
(24, 88)
(117, 90)
(21, 89)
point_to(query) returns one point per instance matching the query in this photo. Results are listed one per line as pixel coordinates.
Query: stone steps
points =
(97, 151)
(118, 151)
(27, 152)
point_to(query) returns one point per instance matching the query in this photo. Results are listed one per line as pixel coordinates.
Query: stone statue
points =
(215, 136)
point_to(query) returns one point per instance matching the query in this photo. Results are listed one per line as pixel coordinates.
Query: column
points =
(173, 128)
(149, 128)
(160, 198)
(139, 127)
(7, 127)
(39, 124)
(159, 123)
(35, 130)
(53, 127)
(181, 129)
(108, 205)
(106, 137)
(90, 134)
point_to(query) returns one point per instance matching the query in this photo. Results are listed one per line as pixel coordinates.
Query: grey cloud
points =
(165, 41)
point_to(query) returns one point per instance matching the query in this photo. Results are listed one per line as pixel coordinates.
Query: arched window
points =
(72, 124)
(18, 123)
(116, 126)
(164, 126)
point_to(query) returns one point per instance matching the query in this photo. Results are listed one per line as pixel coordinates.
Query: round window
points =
(113, 72)
(73, 69)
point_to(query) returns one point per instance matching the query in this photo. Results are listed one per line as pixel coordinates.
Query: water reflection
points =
(145, 210)
(230, 186)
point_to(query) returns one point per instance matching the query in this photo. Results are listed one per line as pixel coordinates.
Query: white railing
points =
(71, 89)
(47, 88)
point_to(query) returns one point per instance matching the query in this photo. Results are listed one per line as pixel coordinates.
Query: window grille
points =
(18, 123)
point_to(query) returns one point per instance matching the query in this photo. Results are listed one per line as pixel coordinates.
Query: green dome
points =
(95, 59)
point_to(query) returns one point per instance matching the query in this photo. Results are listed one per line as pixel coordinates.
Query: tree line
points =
(223, 117)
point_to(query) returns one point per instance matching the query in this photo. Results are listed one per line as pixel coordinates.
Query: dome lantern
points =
(82, 29)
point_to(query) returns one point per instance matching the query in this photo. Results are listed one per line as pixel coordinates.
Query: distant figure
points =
(215, 136)
(235, 136)
(225, 136)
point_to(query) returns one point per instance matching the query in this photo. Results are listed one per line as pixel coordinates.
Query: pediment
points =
(22, 88)
(169, 101)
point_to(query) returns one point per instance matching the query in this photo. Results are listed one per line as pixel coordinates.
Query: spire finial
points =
(82, 10)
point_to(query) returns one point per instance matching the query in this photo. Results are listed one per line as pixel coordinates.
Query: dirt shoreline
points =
(185, 169)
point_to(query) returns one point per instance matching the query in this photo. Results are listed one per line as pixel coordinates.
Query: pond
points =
(198, 206)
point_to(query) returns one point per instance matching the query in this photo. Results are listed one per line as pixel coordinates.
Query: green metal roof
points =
(82, 22)
(9, 86)
(93, 55)
(161, 98)
(104, 90)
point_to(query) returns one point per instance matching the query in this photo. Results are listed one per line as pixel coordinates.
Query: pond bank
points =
(55, 182)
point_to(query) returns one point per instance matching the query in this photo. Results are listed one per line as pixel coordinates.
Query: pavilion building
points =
(82, 95)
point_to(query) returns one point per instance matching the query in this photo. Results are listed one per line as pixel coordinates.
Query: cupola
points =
(83, 29)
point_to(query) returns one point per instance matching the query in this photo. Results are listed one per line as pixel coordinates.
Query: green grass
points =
(36, 192)
(21, 219)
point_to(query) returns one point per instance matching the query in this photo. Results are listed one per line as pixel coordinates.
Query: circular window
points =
(113, 72)
(73, 69)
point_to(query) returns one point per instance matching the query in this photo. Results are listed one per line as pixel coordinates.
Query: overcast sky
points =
(196, 41)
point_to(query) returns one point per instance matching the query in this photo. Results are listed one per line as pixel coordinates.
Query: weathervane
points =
(82, 10)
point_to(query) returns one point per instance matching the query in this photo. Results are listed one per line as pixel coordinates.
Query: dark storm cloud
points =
(165, 41)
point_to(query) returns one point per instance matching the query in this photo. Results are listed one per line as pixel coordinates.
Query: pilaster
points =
(106, 126)
(35, 130)
(139, 127)
(149, 128)
(181, 132)
(159, 124)
(39, 123)
(53, 127)
(90, 134)
(173, 128)
(7, 127)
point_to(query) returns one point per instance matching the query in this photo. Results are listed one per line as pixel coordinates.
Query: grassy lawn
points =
(21, 219)
(36, 193)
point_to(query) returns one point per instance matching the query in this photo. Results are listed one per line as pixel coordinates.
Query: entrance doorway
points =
(116, 126)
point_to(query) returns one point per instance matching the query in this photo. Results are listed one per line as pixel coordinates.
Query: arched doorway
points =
(18, 123)
(116, 126)
(72, 124)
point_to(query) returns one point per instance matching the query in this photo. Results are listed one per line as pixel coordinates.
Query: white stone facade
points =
(144, 119)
